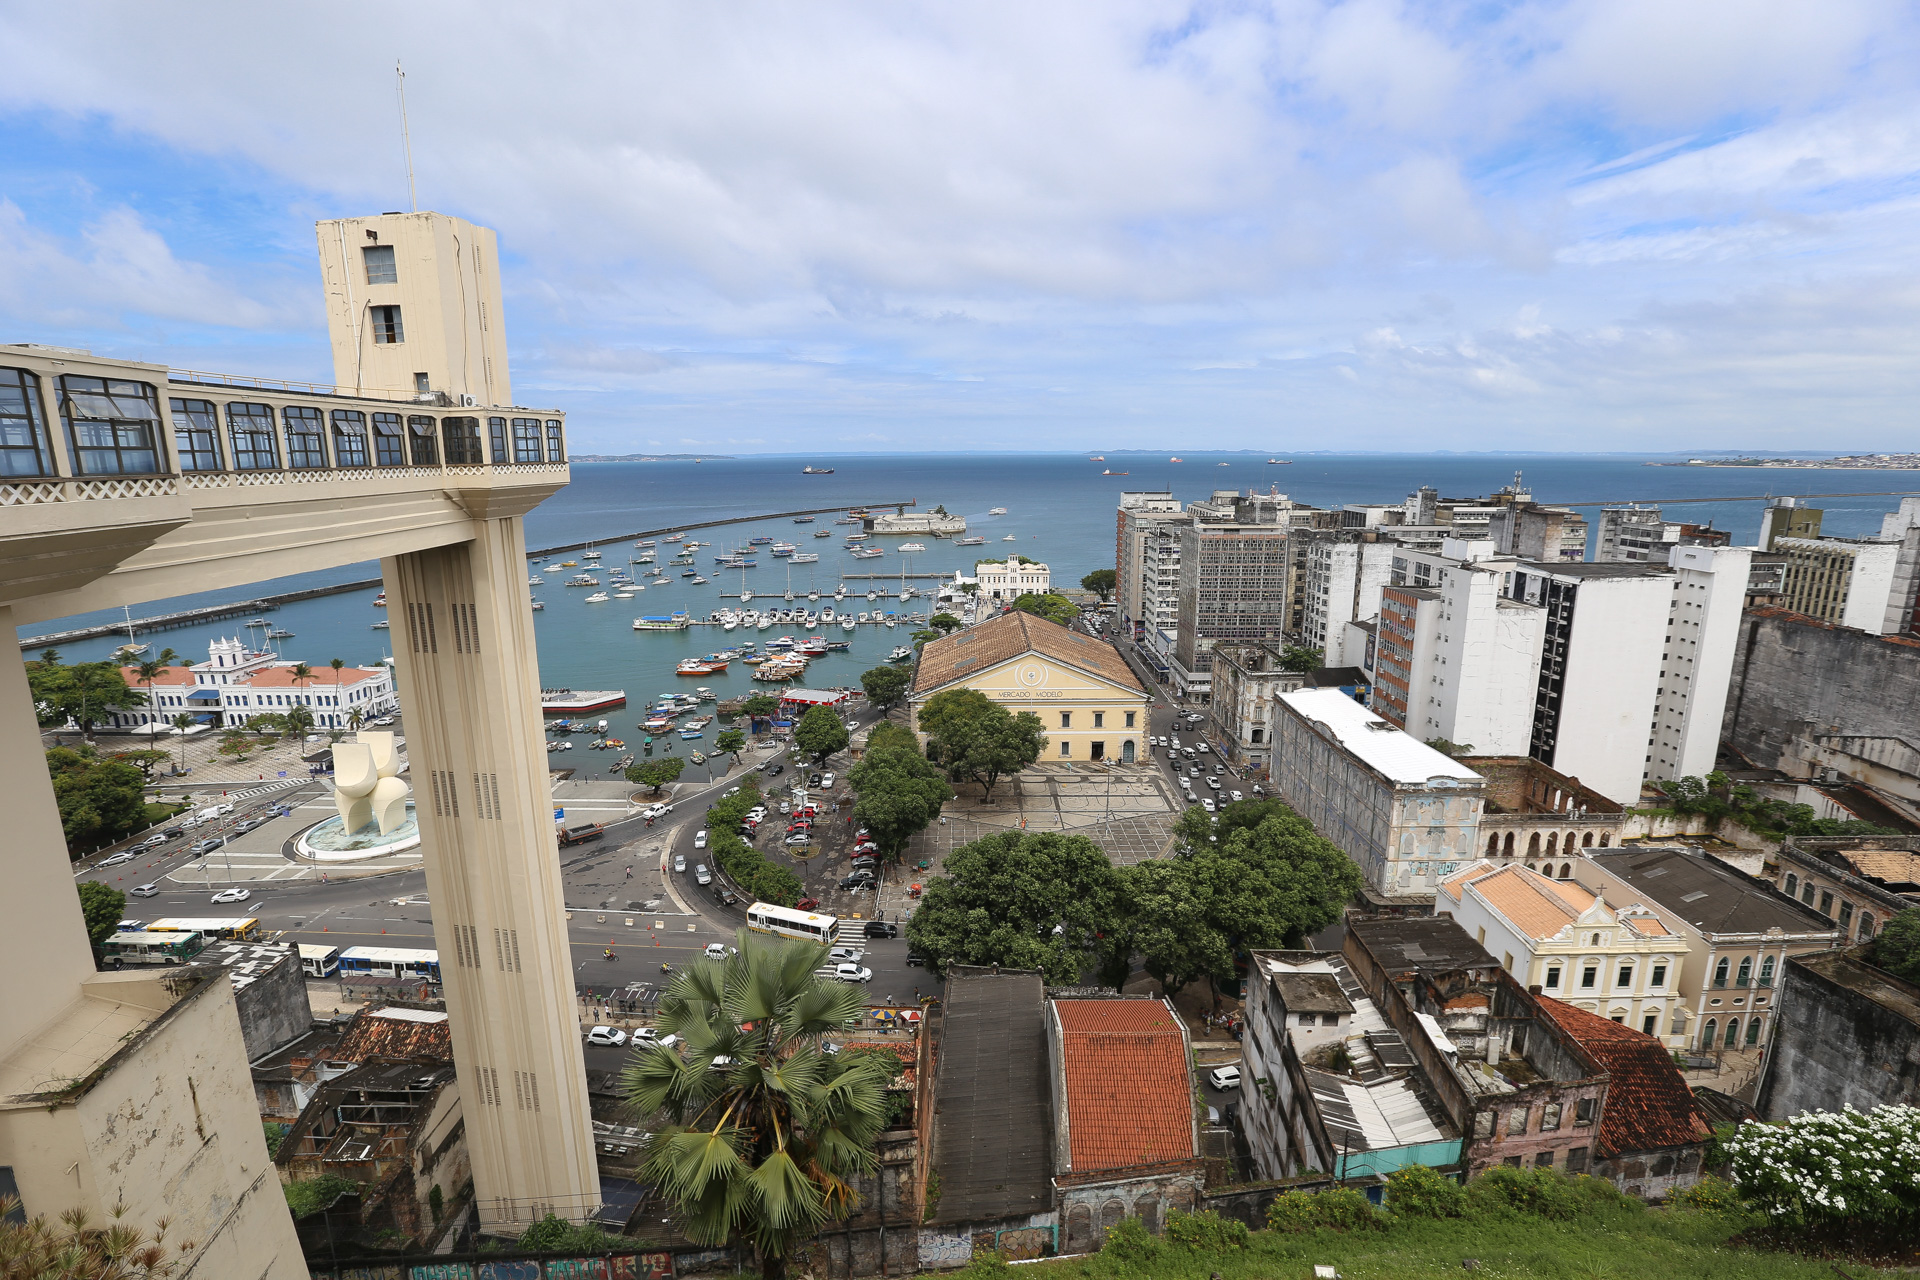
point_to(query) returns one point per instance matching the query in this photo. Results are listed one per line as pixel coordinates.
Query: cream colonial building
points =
(124, 482)
(1088, 700)
(1009, 579)
(237, 683)
(1620, 962)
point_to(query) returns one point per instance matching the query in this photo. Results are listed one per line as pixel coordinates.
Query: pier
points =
(894, 577)
(189, 617)
(714, 524)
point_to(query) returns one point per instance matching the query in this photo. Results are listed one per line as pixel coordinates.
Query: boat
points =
(383, 624)
(569, 564)
(1279, 462)
(997, 511)
(806, 557)
(535, 605)
(890, 624)
(697, 580)
(745, 595)
(689, 735)
(858, 537)
(975, 541)
(816, 471)
(823, 533)
(583, 580)
(279, 633)
(848, 520)
(846, 624)
(803, 519)
(567, 701)
(644, 544)
(536, 580)
(258, 622)
(913, 546)
(380, 601)
(782, 549)
(598, 597)
(1010, 538)
(1175, 459)
(700, 666)
(1111, 472)
(625, 595)
(867, 553)
(873, 595)
(815, 646)
(839, 646)
(590, 555)
(1223, 464)
(760, 541)
(1098, 457)
(900, 654)
(553, 568)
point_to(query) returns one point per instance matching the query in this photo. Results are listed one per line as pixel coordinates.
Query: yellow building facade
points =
(1090, 703)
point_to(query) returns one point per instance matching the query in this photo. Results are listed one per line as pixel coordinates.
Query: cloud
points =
(855, 220)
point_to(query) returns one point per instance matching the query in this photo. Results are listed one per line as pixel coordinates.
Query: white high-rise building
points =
(1696, 666)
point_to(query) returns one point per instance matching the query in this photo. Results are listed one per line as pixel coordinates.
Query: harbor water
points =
(1060, 510)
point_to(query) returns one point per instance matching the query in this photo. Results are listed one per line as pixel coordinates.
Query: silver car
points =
(701, 875)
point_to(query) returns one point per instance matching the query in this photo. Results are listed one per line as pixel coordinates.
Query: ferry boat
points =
(913, 546)
(560, 702)
(811, 470)
(858, 537)
(583, 580)
(867, 553)
(997, 511)
(782, 549)
(598, 597)
(974, 541)
(803, 519)
(1098, 457)
(806, 557)
(815, 646)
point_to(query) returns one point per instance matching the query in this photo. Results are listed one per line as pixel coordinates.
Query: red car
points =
(806, 904)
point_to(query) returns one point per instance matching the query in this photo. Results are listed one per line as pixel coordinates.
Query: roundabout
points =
(330, 841)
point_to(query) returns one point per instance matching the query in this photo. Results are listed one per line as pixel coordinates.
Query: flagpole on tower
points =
(406, 138)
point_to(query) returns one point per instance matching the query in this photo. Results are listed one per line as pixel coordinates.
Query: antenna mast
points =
(406, 139)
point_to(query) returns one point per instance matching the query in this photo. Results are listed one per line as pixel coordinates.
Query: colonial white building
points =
(237, 683)
(1012, 578)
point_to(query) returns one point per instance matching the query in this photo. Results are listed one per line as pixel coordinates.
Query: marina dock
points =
(189, 617)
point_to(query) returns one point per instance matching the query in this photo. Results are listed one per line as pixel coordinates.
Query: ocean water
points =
(1060, 510)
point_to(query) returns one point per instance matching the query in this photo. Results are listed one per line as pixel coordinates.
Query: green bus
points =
(147, 946)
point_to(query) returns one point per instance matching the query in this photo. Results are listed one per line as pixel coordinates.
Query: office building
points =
(1709, 592)
(136, 484)
(1786, 518)
(1138, 514)
(1233, 580)
(1640, 535)
(1157, 624)
(1407, 815)
(1246, 679)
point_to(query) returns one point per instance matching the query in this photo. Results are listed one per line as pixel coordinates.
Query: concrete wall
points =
(1836, 1046)
(273, 1008)
(1795, 677)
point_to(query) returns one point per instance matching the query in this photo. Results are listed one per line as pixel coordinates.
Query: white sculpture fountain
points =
(376, 817)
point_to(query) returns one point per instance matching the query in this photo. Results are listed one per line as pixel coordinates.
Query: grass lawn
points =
(1617, 1242)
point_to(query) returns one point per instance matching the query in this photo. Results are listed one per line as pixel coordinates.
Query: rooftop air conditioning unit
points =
(468, 402)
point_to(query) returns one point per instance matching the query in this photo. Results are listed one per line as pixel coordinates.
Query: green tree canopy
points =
(100, 800)
(760, 705)
(84, 693)
(1897, 949)
(299, 720)
(1003, 896)
(1297, 657)
(976, 739)
(1051, 606)
(898, 792)
(1168, 922)
(820, 733)
(885, 687)
(731, 741)
(144, 759)
(1100, 581)
(765, 1132)
(945, 622)
(888, 736)
(103, 907)
(656, 773)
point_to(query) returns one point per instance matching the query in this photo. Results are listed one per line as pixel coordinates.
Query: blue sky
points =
(1589, 225)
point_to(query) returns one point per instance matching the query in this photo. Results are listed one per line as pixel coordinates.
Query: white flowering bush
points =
(1832, 1169)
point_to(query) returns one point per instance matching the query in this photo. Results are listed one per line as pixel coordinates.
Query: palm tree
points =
(298, 719)
(182, 722)
(765, 1131)
(354, 719)
(152, 667)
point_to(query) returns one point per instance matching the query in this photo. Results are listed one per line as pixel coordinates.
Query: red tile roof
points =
(1648, 1104)
(167, 677)
(282, 677)
(1129, 1090)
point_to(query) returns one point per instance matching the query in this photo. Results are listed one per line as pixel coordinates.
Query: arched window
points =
(1553, 838)
(1793, 884)
(1586, 841)
(1566, 871)
(1606, 838)
(1493, 844)
(1766, 971)
(1566, 842)
(1509, 845)
(1753, 1032)
(1706, 1038)
(1531, 867)
(1733, 1033)
(1746, 971)
(1533, 845)
(1720, 972)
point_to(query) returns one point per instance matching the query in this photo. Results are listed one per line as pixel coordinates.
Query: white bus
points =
(764, 917)
(216, 928)
(317, 960)
(390, 962)
(145, 946)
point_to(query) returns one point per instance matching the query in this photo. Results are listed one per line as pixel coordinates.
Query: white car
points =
(1224, 1078)
(144, 891)
(647, 1035)
(699, 839)
(719, 951)
(847, 955)
(235, 894)
(612, 1036)
(1207, 803)
(852, 973)
(383, 721)
(125, 855)
(701, 875)
(826, 781)
(222, 810)
(1236, 796)
(679, 862)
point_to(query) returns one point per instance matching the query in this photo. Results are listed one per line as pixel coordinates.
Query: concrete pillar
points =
(469, 685)
(48, 942)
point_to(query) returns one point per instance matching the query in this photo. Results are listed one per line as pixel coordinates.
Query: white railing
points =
(35, 492)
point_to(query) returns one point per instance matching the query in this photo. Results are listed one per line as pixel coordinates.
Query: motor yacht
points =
(598, 597)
